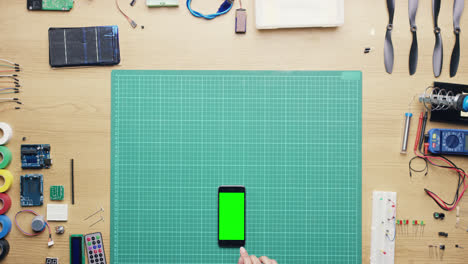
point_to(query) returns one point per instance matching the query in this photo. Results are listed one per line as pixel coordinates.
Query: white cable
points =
(7, 133)
(7, 61)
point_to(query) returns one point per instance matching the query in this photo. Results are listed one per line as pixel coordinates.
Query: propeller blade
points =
(388, 46)
(437, 58)
(391, 10)
(455, 60)
(388, 51)
(412, 10)
(435, 11)
(458, 6)
(413, 58)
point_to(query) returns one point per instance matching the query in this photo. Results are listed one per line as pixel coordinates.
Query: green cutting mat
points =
(292, 138)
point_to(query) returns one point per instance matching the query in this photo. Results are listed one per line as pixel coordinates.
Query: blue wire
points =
(223, 9)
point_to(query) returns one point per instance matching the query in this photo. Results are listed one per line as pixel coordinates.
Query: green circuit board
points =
(63, 5)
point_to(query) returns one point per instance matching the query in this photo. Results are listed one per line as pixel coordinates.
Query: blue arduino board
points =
(448, 141)
(36, 156)
(31, 190)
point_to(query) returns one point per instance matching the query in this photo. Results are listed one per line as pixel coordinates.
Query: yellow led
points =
(434, 136)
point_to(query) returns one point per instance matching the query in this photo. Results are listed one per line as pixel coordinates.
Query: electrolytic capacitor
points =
(404, 143)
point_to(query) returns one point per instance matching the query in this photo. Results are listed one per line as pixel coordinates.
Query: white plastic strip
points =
(7, 133)
(383, 231)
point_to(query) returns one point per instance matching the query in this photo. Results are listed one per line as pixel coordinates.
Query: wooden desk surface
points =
(70, 108)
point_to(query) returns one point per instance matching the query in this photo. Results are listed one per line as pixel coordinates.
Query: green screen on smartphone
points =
(231, 216)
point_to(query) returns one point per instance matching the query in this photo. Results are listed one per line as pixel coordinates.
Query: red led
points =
(407, 221)
(415, 222)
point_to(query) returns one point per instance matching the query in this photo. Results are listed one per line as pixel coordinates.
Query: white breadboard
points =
(383, 227)
(271, 14)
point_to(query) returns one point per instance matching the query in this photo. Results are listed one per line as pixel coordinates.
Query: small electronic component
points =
(36, 156)
(367, 50)
(38, 224)
(443, 234)
(56, 192)
(31, 190)
(52, 261)
(59, 230)
(241, 20)
(160, 3)
(440, 216)
(55, 5)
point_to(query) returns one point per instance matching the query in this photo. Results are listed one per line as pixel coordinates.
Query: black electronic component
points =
(440, 216)
(31, 190)
(241, 20)
(34, 4)
(35, 156)
(85, 46)
(51, 261)
(443, 234)
(442, 247)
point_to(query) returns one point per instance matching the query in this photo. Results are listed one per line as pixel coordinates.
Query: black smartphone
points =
(231, 216)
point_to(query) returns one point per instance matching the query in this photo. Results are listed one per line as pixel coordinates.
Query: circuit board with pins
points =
(52, 5)
(35, 156)
(56, 193)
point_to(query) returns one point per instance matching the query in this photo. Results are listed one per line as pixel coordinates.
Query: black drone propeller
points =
(413, 58)
(438, 56)
(458, 6)
(388, 46)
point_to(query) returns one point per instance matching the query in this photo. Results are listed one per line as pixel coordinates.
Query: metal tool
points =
(93, 214)
(437, 57)
(435, 99)
(388, 46)
(458, 6)
(404, 144)
(413, 57)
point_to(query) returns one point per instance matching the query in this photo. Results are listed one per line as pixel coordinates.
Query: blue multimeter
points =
(448, 141)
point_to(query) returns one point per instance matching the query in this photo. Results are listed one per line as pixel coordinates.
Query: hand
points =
(252, 259)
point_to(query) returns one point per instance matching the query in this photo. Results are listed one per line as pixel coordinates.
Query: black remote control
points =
(95, 248)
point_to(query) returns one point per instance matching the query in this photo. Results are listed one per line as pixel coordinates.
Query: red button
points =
(100, 250)
(89, 239)
(95, 251)
(433, 145)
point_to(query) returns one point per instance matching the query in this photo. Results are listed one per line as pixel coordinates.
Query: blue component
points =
(448, 141)
(31, 190)
(408, 114)
(465, 104)
(35, 156)
(223, 9)
(6, 226)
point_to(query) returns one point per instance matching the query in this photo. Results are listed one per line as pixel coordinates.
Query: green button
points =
(97, 237)
(89, 243)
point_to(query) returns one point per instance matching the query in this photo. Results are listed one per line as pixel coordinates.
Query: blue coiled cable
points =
(223, 9)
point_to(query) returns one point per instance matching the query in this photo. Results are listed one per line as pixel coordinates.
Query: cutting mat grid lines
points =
(292, 138)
